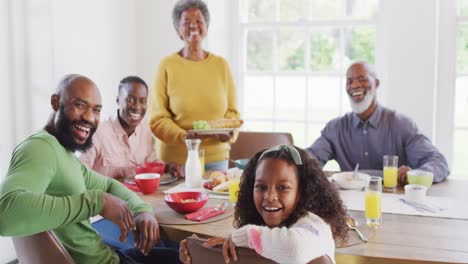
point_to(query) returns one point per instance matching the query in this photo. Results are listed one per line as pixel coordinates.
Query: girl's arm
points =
(309, 238)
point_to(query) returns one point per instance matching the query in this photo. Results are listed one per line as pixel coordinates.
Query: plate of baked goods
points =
(219, 126)
(213, 131)
(217, 184)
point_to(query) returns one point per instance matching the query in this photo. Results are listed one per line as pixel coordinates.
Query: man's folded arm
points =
(94, 180)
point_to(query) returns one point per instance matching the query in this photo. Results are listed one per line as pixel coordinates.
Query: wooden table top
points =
(400, 239)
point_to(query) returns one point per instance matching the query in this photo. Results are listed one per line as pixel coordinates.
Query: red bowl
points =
(151, 167)
(182, 202)
(148, 182)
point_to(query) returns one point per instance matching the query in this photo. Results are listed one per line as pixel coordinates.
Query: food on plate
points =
(217, 178)
(188, 200)
(200, 124)
(208, 185)
(223, 187)
(226, 123)
(220, 123)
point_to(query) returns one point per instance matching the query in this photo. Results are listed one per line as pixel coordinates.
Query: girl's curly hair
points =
(317, 194)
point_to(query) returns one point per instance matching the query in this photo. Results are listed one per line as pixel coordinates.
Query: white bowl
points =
(345, 180)
(415, 193)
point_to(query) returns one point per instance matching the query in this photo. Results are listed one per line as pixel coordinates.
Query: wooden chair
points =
(201, 254)
(249, 143)
(41, 248)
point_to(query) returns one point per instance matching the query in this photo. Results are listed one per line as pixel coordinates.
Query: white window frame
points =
(241, 28)
(459, 21)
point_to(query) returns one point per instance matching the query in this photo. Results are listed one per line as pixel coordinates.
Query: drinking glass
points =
(234, 190)
(390, 172)
(374, 201)
(201, 156)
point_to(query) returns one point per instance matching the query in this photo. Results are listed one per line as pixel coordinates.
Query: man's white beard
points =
(362, 106)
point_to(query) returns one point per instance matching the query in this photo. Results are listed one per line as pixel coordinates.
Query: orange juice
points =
(390, 177)
(234, 190)
(373, 205)
(201, 156)
(202, 163)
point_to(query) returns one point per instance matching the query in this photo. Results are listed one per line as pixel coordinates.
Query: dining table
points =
(399, 239)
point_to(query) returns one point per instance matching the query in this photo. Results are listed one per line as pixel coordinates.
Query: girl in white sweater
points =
(286, 211)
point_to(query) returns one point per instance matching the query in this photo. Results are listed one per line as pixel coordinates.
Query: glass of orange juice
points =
(390, 172)
(201, 156)
(374, 201)
(233, 190)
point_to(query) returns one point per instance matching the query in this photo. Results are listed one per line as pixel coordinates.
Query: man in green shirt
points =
(47, 188)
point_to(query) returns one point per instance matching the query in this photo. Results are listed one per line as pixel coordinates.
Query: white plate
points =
(213, 131)
(167, 178)
(215, 192)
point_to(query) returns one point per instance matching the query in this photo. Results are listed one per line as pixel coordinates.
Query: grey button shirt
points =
(349, 141)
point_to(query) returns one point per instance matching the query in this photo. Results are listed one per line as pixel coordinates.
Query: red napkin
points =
(193, 216)
(132, 186)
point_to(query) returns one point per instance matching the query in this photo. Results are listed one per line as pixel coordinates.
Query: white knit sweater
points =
(310, 237)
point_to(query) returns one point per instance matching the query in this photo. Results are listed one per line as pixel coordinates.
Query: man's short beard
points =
(362, 106)
(63, 133)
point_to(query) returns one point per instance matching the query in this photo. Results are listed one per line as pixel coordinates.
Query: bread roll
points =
(225, 123)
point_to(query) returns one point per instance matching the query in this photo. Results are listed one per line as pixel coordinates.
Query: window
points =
(294, 58)
(460, 137)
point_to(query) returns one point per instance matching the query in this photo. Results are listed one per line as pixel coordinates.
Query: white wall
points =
(157, 38)
(7, 141)
(97, 39)
(40, 42)
(7, 252)
(416, 63)
(408, 44)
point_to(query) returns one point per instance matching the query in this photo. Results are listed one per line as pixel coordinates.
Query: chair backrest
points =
(249, 143)
(41, 248)
(200, 254)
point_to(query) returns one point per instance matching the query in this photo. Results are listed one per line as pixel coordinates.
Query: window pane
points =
(313, 132)
(258, 98)
(324, 50)
(324, 98)
(293, 10)
(260, 126)
(261, 10)
(360, 45)
(327, 9)
(296, 129)
(462, 49)
(461, 103)
(290, 98)
(259, 50)
(463, 7)
(361, 8)
(460, 153)
(291, 50)
(345, 105)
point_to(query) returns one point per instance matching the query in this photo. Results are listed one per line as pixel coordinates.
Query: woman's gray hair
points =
(183, 5)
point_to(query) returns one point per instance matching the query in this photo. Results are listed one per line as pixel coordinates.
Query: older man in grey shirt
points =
(371, 131)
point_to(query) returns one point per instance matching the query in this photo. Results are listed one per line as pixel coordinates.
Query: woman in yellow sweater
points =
(190, 85)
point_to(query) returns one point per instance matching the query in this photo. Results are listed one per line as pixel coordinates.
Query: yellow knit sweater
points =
(185, 91)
